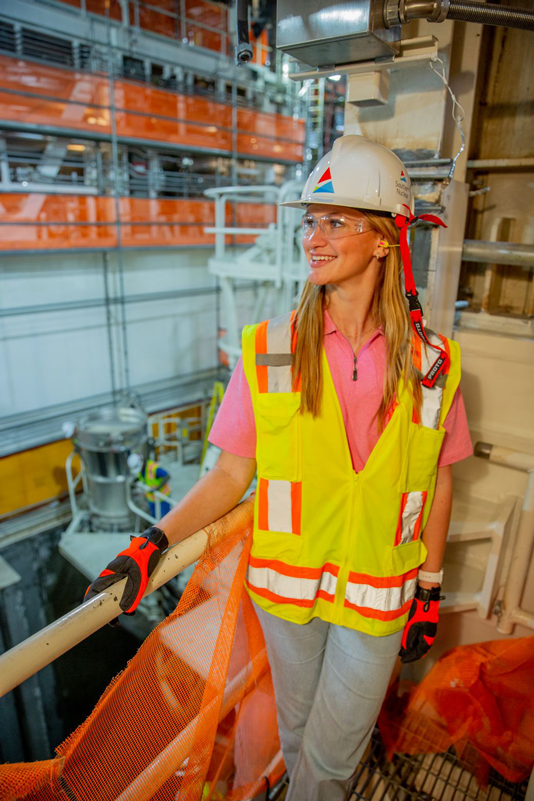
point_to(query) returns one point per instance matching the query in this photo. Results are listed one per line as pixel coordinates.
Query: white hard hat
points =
(359, 174)
(135, 462)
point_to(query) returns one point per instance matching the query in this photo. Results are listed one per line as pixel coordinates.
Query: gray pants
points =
(329, 682)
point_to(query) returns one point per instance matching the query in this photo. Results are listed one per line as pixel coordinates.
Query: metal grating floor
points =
(425, 777)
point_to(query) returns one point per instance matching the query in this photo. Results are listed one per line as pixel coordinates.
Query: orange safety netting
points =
(478, 698)
(192, 716)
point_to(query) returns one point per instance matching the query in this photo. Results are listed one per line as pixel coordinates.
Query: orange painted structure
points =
(76, 101)
(80, 103)
(204, 24)
(82, 221)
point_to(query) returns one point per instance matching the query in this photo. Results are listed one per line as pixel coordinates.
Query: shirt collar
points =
(330, 327)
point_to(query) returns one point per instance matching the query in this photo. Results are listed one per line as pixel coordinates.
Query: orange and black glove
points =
(422, 625)
(136, 563)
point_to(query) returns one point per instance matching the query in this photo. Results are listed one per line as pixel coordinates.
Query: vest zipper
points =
(355, 369)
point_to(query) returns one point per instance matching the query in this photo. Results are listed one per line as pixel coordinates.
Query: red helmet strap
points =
(416, 312)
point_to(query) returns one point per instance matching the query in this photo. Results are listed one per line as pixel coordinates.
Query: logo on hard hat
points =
(325, 183)
(403, 177)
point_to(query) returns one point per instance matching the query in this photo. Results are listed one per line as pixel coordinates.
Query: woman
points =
(353, 423)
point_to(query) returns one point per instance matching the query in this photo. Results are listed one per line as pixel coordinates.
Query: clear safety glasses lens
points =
(333, 227)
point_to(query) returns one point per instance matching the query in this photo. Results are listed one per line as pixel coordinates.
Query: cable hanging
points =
(458, 113)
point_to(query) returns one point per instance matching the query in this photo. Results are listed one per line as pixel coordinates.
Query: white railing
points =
(275, 261)
(173, 433)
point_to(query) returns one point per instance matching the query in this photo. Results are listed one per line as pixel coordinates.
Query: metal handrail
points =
(159, 497)
(241, 190)
(42, 648)
(240, 231)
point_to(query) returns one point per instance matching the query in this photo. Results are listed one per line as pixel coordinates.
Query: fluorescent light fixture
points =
(334, 77)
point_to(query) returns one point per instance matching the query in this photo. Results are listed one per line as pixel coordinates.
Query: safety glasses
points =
(333, 226)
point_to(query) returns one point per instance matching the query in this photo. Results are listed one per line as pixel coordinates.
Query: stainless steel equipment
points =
(104, 439)
(329, 33)
(321, 34)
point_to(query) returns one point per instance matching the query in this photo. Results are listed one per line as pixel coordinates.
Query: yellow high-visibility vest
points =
(329, 542)
(148, 477)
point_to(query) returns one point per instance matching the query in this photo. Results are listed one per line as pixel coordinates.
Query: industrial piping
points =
(399, 12)
(498, 253)
(491, 14)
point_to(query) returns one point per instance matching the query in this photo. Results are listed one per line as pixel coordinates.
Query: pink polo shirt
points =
(234, 428)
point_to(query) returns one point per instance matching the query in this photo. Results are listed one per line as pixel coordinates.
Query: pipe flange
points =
(408, 10)
(441, 11)
(391, 13)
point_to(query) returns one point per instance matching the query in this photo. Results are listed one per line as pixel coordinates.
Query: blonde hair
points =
(389, 308)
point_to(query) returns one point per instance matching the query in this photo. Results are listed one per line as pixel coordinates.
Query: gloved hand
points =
(421, 627)
(136, 563)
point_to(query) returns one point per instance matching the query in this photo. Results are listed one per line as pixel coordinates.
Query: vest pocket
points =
(407, 557)
(421, 459)
(277, 431)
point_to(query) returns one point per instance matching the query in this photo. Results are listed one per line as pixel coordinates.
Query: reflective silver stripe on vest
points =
(278, 358)
(279, 505)
(410, 514)
(381, 599)
(290, 588)
(274, 359)
(432, 396)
